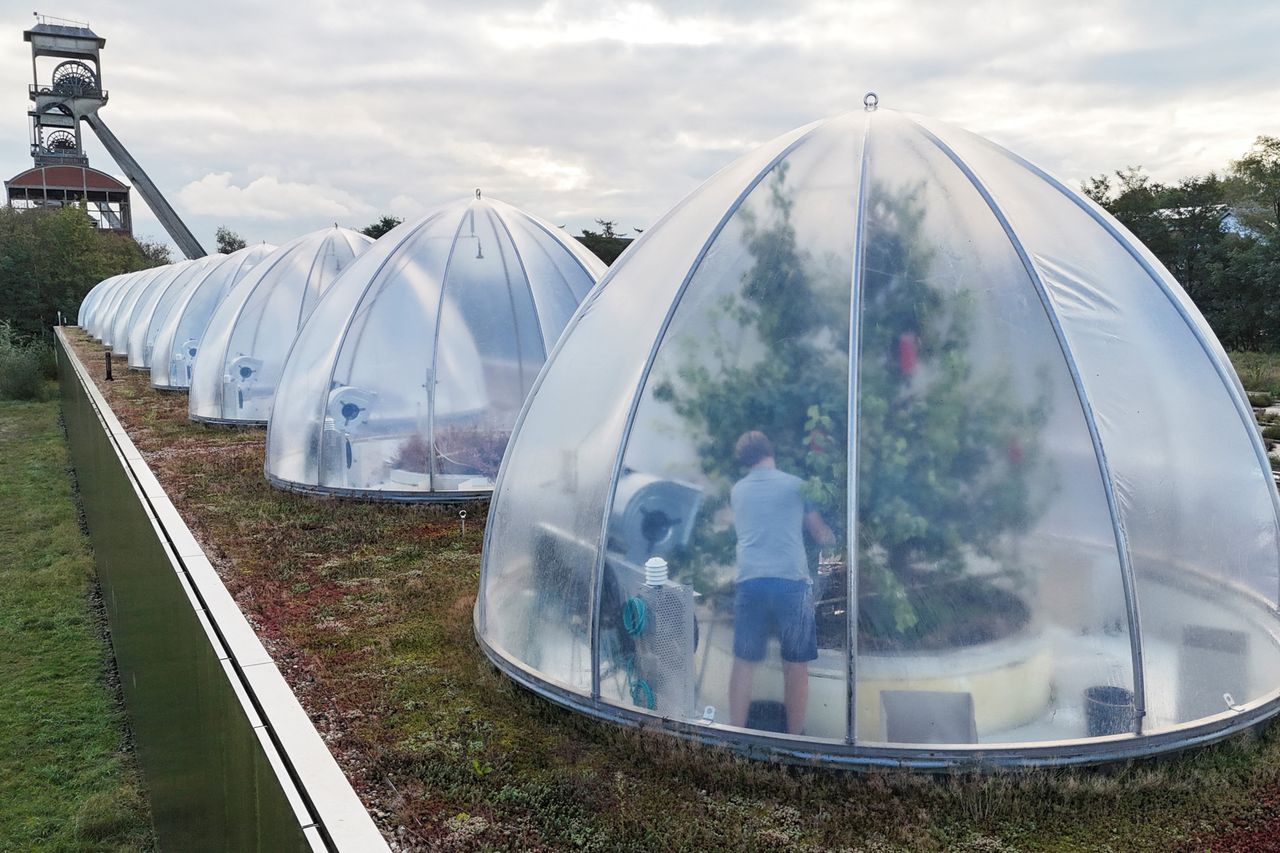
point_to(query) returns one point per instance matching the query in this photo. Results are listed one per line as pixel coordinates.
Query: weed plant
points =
(1259, 372)
(26, 366)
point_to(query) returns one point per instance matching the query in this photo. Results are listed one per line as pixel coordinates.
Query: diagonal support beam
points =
(150, 192)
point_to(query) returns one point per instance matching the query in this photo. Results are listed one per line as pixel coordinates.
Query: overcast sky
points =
(276, 122)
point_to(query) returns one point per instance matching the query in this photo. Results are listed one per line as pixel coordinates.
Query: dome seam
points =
(435, 348)
(852, 415)
(355, 308)
(528, 286)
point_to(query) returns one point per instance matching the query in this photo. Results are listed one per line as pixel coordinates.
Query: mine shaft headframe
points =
(75, 91)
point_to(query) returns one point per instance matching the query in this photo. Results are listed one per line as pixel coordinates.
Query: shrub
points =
(24, 366)
(1259, 399)
(1258, 371)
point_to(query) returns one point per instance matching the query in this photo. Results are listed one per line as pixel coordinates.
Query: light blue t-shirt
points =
(768, 514)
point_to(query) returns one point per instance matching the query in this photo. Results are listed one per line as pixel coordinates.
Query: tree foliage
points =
(228, 240)
(945, 452)
(156, 253)
(608, 229)
(51, 257)
(1255, 186)
(1216, 235)
(606, 243)
(382, 226)
(24, 365)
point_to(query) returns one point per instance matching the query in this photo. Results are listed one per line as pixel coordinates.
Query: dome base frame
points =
(226, 422)
(378, 495)
(936, 758)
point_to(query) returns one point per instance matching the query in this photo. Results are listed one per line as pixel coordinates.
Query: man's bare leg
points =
(740, 679)
(795, 694)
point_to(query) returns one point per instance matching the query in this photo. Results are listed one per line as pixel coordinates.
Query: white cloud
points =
(544, 170)
(628, 23)
(276, 122)
(406, 207)
(267, 198)
(707, 142)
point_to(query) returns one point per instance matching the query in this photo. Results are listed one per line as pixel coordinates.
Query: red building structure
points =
(106, 199)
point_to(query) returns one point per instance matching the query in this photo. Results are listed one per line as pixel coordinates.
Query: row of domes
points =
(998, 473)
(413, 354)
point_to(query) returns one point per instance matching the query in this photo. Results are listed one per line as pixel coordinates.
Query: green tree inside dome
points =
(948, 456)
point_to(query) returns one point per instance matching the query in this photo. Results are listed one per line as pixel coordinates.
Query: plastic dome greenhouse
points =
(1038, 522)
(94, 297)
(178, 339)
(407, 379)
(115, 330)
(141, 300)
(235, 371)
(154, 306)
(101, 312)
(95, 305)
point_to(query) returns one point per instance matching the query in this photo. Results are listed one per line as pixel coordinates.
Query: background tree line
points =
(1217, 234)
(51, 257)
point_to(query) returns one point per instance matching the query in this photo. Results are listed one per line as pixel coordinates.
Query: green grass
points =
(368, 606)
(67, 781)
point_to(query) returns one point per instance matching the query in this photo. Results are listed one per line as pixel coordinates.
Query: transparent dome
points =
(93, 297)
(96, 318)
(154, 305)
(235, 371)
(407, 379)
(103, 302)
(116, 322)
(178, 339)
(93, 306)
(942, 464)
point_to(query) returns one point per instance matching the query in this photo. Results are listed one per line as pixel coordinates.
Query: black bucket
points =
(1109, 710)
(767, 716)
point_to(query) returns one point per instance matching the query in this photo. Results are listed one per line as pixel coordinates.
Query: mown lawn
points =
(67, 780)
(367, 608)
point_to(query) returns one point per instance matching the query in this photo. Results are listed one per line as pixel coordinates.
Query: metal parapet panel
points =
(232, 760)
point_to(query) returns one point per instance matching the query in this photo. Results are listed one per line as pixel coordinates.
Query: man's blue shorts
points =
(767, 606)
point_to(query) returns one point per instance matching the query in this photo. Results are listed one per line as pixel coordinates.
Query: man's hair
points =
(751, 447)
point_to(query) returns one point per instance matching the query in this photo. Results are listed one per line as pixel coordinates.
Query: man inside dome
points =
(774, 590)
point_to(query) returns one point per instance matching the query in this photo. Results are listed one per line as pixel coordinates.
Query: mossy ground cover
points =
(367, 608)
(67, 780)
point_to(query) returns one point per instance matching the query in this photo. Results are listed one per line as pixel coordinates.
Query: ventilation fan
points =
(349, 406)
(243, 369)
